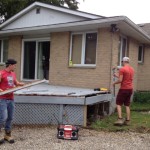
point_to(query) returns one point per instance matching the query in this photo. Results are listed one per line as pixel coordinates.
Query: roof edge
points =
(136, 27)
(109, 20)
(57, 8)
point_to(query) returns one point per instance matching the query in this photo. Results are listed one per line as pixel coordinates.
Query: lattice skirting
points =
(44, 114)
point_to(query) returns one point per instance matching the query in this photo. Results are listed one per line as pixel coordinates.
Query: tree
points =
(8, 8)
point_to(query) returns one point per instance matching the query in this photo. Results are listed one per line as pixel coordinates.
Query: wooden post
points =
(96, 109)
(85, 115)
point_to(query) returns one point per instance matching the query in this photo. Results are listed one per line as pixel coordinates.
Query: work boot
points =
(1, 137)
(119, 122)
(8, 137)
(127, 122)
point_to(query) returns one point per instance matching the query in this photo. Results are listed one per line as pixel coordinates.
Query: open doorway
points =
(36, 60)
(43, 60)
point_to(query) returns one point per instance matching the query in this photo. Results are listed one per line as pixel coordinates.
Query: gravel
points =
(45, 139)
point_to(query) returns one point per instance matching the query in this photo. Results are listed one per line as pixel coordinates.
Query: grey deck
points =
(48, 104)
(47, 89)
(45, 93)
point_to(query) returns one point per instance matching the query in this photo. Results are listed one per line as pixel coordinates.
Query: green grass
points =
(140, 120)
(135, 106)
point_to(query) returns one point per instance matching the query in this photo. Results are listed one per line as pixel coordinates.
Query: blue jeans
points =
(6, 113)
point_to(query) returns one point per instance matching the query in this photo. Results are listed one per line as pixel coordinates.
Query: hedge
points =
(141, 96)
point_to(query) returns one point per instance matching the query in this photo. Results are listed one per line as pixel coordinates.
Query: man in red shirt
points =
(7, 80)
(125, 79)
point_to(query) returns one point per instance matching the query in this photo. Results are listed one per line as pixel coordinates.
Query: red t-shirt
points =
(8, 80)
(127, 81)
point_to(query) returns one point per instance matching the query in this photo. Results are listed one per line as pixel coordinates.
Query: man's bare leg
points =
(119, 110)
(128, 112)
(127, 121)
(120, 120)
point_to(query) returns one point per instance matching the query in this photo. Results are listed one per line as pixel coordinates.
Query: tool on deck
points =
(101, 89)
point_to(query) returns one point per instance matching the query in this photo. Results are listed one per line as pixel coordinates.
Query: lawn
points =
(140, 120)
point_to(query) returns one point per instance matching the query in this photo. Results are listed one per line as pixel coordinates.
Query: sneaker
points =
(8, 137)
(119, 122)
(127, 122)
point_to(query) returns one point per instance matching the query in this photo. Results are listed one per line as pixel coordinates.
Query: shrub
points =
(141, 96)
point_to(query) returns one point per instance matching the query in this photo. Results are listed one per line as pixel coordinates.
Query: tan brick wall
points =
(133, 55)
(115, 54)
(144, 72)
(14, 51)
(101, 76)
(61, 74)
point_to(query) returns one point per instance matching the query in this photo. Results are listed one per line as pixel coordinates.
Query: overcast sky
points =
(136, 10)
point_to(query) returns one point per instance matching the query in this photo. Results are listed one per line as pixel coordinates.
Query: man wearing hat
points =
(125, 79)
(7, 81)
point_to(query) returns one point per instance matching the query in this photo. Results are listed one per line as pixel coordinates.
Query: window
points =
(36, 59)
(122, 49)
(83, 49)
(3, 50)
(140, 54)
(38, 10)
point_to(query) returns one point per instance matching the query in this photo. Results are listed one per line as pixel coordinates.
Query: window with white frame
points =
(140, 53)
(83, 49)
(123, 48)
(36, 55)
(3, 50)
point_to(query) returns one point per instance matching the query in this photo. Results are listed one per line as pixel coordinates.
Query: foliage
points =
(141, 97)
(8, 8)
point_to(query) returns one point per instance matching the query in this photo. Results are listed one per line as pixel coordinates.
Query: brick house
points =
(143, 65)
(73, 48)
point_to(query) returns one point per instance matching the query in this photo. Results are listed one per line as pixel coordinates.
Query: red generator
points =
(68, 132)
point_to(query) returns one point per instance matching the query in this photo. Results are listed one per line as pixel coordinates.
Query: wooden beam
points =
(85, 115)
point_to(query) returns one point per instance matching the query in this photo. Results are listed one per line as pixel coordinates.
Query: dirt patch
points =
(145, 112)
(142, 130)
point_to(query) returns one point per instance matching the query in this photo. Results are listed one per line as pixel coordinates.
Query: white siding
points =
(46, 17)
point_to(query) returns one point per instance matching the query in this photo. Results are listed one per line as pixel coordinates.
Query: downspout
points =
(113, 30)
(111, 58)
